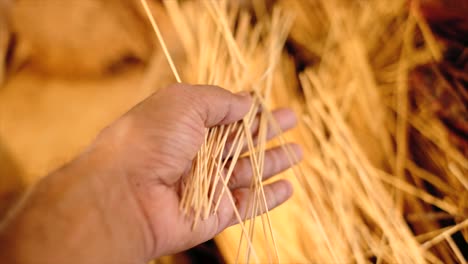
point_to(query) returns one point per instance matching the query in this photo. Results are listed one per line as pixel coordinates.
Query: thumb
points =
(217, 106)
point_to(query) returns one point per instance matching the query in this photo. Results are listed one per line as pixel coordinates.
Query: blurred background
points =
(396, 71)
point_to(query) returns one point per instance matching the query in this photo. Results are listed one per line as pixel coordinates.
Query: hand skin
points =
(118, 202)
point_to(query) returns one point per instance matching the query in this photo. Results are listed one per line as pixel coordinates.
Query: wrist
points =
(83, 213)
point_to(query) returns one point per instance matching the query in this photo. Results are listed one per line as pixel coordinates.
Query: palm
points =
(162, 156)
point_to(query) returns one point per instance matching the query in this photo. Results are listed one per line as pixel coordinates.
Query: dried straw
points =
(371, 151)
(243, 60)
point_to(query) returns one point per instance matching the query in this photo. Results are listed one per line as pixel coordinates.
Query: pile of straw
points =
(372, 198)
(380, 87)
(381, 181)
(224, 48)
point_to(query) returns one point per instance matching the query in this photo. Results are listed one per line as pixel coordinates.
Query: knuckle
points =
(233, 180)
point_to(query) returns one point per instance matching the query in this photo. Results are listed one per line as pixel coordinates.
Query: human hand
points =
(120, 199)
(163, 135)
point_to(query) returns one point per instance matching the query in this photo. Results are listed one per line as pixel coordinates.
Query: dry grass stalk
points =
(368, 199)
(362, 83)
(242, 58)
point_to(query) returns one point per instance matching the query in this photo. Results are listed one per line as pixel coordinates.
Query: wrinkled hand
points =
(138, 164)
(163, 135)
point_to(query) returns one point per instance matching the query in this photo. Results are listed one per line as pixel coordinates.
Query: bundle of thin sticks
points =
(359, 118)
(363, 195)
(223, 48)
